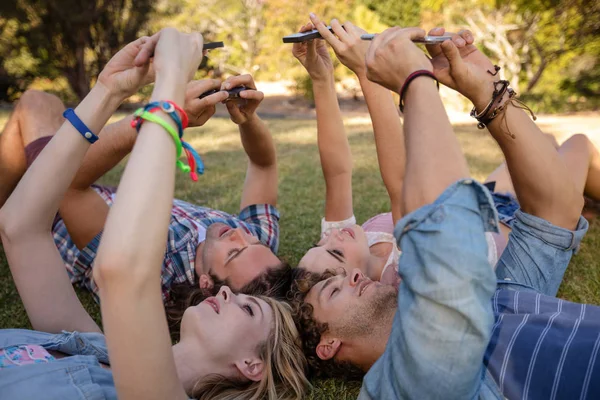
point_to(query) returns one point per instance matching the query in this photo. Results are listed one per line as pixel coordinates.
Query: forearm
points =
(541, 180)
(117, 142)
(389, 140)
(130, 237)
(36, 199)
(434, 159)
(258, 143)
(334, 152)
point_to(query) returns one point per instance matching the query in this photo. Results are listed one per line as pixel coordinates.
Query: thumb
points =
(457, 65)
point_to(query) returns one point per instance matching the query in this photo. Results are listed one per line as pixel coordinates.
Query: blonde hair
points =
(285, 366)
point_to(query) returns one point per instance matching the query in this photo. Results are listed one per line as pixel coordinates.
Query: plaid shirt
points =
(260, 220)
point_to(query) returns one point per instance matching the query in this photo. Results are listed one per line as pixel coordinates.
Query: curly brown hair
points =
(311, 330)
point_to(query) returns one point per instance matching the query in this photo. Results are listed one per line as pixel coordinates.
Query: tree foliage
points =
(74, 38)
(549, 49)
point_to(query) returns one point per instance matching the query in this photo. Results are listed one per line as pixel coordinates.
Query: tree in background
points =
(396, 13)
(74, 38)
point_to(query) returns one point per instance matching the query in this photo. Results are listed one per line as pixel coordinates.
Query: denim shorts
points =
(537, 254)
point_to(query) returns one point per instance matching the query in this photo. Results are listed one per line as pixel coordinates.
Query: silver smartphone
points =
(424, 40)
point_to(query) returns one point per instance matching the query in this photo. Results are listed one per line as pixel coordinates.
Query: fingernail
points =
(461, 42)
(228, 86)
(312, 15)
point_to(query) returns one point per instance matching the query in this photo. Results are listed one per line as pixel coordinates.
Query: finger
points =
(196, 88)
(306, 28)
(338, 29)
(145, 50)
(353, 30)
(239, 80)
(435, 49)
(147, 46)
(467, 36)
(458, 40)
(234, 110)
(252, 95)
(328, 36)
(450, 51)
(195, 104)
(413, 33)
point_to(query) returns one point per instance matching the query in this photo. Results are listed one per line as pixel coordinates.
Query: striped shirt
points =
(543, 347)
(186, 228)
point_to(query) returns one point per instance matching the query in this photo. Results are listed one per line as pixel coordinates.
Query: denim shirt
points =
(444, 318)
(77, 376)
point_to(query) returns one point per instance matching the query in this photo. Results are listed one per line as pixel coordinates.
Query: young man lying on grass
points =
(456, 329)
(205, 248)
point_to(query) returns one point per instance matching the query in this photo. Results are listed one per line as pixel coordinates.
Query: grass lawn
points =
(301, 201)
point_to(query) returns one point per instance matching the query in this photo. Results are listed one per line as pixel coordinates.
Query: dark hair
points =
(274, 282)
(311, 330)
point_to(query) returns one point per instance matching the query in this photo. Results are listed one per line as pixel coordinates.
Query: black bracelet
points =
(412, 77)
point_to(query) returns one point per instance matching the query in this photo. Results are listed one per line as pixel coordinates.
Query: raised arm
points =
(387, 127)
(541, 180)
(128, 265)
(444, 316)
(82, 209)
(26, 218)
(260, 186)
(334, 149)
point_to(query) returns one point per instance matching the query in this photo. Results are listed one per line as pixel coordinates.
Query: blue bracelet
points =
(70, 115)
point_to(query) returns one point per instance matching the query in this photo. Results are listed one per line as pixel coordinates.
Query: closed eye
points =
(335, 290)
(339, 253)
(248, 309)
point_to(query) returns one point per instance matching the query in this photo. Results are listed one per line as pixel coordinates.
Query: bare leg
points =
(582, 160)
(37, 114)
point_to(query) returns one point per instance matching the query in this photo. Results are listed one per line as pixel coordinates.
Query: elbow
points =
(115, 269)
(12, 226)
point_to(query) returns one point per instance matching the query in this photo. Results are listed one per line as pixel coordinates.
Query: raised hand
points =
(459, 65)
(131, 68)
(314, 56)
(242, 111)
(392, 57)
(178, 54)
(200, 110)
(346, 43)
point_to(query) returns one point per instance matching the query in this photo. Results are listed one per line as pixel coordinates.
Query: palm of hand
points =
(321, 64)
(476, 62)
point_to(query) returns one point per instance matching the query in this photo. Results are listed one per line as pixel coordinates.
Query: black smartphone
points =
(304, 36)
(212, 45)
(233, 92)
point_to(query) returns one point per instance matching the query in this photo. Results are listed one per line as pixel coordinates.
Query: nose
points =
(333, 233)
(355, 277)
(225, 292)
(239, 236)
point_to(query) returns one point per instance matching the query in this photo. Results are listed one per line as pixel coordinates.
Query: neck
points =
(194, 363)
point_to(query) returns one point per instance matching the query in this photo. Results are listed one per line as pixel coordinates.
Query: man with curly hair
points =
(457, 330)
